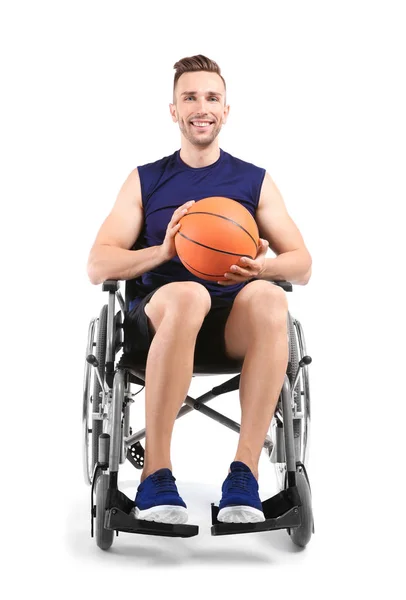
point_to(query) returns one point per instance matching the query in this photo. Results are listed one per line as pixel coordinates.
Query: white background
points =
(317, 95)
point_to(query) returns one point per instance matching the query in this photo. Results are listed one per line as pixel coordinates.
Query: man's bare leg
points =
(169, 367)
(256, 332)
(261, 381)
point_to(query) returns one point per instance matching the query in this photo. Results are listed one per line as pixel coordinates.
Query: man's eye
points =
(212, 98)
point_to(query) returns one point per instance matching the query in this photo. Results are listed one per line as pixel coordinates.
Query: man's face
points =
(199, 106)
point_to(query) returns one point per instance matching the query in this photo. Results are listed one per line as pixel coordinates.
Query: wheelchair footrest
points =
(120, 518)
(120, 521)
(281, 512)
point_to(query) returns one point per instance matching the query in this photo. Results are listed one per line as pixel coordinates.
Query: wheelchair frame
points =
(283, 511)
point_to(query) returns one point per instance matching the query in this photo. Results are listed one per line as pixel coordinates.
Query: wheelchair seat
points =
(136, 365)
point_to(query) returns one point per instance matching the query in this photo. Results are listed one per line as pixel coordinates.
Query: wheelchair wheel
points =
(92, 428)
(101, 342)
(87, 406)
(301, 397)
(301, 535)
(104, 537)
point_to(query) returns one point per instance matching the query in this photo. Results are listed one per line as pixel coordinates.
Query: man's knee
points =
(264, 302)
(188, 300)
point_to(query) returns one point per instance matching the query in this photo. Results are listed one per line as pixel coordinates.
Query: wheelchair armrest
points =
(286, 285)
(110, 285)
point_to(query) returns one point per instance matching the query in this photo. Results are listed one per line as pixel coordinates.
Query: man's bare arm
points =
(110, 256)
(290, 266)
(110, 262)
(293, 261)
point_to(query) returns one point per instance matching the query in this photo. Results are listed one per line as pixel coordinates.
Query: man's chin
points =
(200, 140)
(202, 143)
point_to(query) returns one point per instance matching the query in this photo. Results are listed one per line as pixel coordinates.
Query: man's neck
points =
(199, 157)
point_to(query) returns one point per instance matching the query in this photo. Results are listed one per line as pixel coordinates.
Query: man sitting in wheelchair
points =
(177, 320)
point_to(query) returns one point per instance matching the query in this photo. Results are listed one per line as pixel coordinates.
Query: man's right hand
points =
(168, 247)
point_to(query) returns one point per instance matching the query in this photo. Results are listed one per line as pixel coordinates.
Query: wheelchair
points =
(108, 439)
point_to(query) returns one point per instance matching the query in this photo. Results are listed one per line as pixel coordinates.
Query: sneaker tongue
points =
(237, 465)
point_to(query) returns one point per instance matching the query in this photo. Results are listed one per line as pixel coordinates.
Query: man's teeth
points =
(201, 123)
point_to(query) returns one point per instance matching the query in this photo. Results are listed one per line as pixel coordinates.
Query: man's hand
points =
(247, 268)
(168, 248)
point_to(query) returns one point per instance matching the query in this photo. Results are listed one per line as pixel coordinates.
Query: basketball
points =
(214, 234)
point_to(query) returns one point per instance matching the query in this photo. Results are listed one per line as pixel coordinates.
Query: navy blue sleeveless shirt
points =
(167, 184)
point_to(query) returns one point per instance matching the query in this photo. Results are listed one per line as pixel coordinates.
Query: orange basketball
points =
(214, 234)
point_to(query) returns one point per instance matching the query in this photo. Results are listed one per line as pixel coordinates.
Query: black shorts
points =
(210, 343)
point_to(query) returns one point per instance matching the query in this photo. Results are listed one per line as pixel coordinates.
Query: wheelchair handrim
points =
(305, 430)
(304, 423)
(87, 387)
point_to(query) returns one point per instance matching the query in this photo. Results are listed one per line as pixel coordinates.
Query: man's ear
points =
(225, 114)
(172, 110)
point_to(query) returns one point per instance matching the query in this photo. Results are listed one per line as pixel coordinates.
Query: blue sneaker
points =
(158, 499)
(240, 501)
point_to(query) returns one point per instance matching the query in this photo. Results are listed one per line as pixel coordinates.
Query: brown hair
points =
(195, 63)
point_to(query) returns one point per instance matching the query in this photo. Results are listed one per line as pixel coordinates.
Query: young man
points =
(175, 318)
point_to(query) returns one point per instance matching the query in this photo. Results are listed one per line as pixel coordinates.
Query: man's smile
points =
(202, 124)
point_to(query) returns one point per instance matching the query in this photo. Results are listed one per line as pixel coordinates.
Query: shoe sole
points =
(175, 515)
(240, 514)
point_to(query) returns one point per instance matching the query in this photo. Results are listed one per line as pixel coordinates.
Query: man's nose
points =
(202, 106)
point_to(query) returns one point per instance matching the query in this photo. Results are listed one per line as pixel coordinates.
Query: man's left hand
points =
(247, 268)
